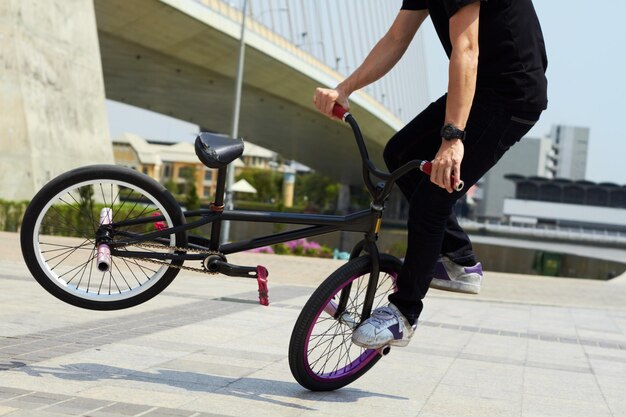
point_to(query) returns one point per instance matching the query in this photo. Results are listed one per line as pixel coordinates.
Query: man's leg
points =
(457, 269)
(491, 132)
(420, 139)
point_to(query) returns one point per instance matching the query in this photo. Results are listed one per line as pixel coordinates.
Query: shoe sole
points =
(454, 286)
(397, 343)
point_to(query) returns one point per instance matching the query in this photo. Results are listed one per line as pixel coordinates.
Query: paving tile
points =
(6, 410)
(121, 409)
(35, 400)
(548, 406)
(76, 406)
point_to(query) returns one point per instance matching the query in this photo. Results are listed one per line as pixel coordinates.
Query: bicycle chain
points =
(177, 248)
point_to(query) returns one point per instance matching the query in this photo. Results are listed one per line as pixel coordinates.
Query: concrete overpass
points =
(176, 57)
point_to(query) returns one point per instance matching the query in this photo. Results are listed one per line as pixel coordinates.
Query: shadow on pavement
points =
(242, 387)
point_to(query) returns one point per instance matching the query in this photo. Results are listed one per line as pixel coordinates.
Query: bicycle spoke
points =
(91, 266)
(330, 352)
(63, 247)
(94, 224)
(131, 271)
(101, 282)
(73, 212)
(120, 272)
(61, 261)
(76, 267)
(114, 281)
(72, 227)
(84, 266)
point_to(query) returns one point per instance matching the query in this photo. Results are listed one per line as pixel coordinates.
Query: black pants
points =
(432, 226)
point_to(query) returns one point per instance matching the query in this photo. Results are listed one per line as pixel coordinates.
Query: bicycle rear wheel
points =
(322, 356)
(58, 237)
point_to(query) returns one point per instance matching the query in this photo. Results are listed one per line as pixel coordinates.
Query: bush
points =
(397, 249)
(11, 215)
(303, 247)
(268, 185)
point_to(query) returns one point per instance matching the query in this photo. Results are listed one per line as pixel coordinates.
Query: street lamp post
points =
(230, 173)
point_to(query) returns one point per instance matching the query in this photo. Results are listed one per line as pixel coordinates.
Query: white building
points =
(529, 157)
(571, 145)
(561, 202)
(563, 154)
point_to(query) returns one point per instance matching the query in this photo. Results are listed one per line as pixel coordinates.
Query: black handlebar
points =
(370, 168)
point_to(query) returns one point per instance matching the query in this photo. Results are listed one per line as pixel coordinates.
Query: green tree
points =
(268, 185)
(317, 191)
(192, 201)
(171, 186)
(188, 188)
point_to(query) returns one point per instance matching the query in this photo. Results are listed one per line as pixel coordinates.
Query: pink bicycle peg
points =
(104, 251)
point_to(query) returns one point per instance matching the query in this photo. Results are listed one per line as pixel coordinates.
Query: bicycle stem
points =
(370, 168)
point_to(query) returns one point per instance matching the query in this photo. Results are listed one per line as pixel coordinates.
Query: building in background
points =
(258, 157)
(562, 154)
(176, 162)
(571, 147)
(566, 203)
(165, 162)
(529, 157)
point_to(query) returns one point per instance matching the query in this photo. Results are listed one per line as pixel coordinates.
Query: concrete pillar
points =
(343, 205)
(52, 105)
(289, 184)
(343, 199)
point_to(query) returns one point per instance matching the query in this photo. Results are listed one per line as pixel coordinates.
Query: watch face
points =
(451, 132)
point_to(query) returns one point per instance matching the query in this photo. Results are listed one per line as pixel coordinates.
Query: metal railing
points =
(339, 35)
(543, 231)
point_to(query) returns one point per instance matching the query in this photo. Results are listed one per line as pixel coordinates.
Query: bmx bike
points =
(106, 237)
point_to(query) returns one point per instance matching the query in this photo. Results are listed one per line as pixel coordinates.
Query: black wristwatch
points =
(450, 131)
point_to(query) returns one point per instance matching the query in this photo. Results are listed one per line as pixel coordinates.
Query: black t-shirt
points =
(512, 58)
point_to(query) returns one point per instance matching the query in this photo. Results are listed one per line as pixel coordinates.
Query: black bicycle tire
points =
(95, 172)
(308, 315)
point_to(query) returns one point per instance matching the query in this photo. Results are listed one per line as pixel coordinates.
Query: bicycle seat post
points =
(218, 206)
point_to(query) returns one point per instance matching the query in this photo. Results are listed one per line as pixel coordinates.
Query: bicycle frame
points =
(366, 221)
(318, 224)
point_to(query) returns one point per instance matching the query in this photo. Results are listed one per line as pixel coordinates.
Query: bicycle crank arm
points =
(216, 265)
(231, 270)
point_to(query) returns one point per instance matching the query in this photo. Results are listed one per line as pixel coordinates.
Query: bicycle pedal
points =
(259, 272)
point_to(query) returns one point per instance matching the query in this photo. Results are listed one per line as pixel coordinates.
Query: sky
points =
(586, 75)
(586, 46)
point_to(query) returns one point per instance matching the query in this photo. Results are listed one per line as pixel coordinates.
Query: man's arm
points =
(379, 61)
(461, 89)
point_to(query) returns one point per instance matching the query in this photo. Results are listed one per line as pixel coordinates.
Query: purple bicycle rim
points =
(354, 366)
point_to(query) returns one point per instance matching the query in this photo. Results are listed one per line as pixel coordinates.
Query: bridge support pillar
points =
(52, 102)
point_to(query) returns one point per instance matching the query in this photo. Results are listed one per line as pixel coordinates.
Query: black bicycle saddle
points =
(217, 151)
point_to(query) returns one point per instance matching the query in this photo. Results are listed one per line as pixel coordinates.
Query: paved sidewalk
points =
(526, 346)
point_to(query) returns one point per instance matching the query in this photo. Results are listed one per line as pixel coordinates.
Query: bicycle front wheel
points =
(58, 237)
(322, 356)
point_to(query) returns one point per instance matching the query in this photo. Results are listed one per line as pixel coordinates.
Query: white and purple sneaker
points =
(386, 326)
(449, 276)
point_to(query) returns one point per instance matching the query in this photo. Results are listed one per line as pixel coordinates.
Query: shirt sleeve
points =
(414, 5)
(453, 6)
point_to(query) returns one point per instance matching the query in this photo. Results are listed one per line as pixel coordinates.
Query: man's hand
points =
(325, 99)
(447, 162)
